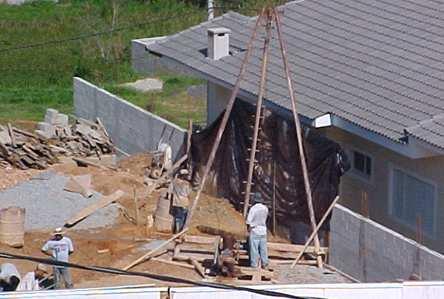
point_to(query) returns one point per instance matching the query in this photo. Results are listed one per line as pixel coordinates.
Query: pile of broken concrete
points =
(55, 136)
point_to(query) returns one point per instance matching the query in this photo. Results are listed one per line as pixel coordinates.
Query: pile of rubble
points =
(53, 137)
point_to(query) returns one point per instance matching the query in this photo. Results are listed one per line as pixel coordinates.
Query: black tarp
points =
(277, 148)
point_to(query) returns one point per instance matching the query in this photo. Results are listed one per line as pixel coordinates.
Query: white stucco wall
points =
(217, 100)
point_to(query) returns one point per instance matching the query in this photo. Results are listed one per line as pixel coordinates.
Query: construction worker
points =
(9, 277)
(60, 248)
(257, 229)
(31, 280)
(179, 191)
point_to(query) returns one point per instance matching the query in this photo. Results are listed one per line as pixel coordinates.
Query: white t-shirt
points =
(28, 283)
(257, 219)
(7, 270)
(60, 249)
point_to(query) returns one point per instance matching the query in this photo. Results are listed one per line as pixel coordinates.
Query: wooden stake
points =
(308, 192)
(153, 251)
(11, 134)
(307, 243)
(274, 197)
(258, 113)
(224, 122)
(136, 207)
(189, 134)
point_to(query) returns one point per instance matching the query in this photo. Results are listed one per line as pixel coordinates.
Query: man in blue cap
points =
(257, 228)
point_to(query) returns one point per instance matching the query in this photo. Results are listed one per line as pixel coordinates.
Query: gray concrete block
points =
(62, 120)
(47, 129)
(51, 116)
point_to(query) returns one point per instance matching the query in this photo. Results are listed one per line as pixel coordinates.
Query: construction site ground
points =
(120, 244)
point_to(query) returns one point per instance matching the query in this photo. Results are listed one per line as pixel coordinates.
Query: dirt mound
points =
(136, 164)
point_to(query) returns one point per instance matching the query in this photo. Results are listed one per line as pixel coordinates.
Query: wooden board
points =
(101, 203)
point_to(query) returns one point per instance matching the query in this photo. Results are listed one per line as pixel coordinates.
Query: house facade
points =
(367, 74)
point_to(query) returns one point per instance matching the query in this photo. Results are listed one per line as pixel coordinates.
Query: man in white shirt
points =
(31, 280)
(60, 248)
(257, 228)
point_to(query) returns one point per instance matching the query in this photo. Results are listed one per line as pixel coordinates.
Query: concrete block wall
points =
(131, 128)
(371, 252)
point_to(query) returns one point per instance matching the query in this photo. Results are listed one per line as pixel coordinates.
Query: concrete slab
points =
(145, 85)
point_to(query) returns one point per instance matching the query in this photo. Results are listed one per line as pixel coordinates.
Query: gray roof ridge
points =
(221, 17)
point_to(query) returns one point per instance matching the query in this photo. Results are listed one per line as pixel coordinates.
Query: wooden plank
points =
(197, 256)
(11, 134)
(292, 247)
(200, 239)
(26, 133)
(198, 267)
(314, 233)
(103, 202)
(151, 252)
(90, 163)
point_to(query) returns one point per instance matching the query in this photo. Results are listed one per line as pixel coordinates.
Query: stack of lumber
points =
(24, 150)
(82, 139)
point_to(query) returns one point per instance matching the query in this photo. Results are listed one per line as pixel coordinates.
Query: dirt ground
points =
(119, 245)
(118, 241)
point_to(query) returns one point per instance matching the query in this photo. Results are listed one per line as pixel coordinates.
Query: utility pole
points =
(210, 9)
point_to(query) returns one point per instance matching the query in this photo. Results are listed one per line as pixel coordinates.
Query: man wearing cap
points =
(179, 190)
(257, 228)
(60, 248)
(31, 280)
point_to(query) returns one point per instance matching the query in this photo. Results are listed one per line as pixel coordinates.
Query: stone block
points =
(46, 128)
(51, 116)
(62, 120)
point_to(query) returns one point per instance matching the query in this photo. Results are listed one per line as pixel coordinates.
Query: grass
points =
(172, 103)
(36, 78)
(33, 79)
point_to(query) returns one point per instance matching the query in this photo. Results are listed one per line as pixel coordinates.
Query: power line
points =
(94, 34)
(167, 278)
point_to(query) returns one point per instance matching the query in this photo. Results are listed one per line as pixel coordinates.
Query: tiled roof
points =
(376, 63)
(431, 131)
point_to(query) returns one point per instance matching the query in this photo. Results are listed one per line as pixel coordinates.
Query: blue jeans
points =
(180, 216)
(258, 249)
(62, 276)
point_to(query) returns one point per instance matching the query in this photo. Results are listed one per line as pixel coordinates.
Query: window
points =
(362, 164)
(413, 198)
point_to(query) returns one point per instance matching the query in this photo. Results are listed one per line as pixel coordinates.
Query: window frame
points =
(357, 173)
(391, 201)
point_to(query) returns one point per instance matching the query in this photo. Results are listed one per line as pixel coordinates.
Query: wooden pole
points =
(307, 243)
(224, 121)
(308, 192)
(258, 112)
(274, 197)
(136, 207)
(151, 252)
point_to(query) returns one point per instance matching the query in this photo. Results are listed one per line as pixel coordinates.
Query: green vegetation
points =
(36, 78)
(173, 103)
(32, 79)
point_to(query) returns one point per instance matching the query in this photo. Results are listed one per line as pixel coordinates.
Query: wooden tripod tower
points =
(268, 16)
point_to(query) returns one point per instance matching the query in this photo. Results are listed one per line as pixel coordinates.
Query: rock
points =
(145, 85)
